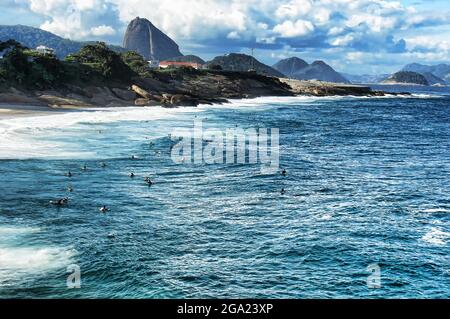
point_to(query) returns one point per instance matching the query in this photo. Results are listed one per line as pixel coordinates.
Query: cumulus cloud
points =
(77, 19)
(337, 26)
(289, 29)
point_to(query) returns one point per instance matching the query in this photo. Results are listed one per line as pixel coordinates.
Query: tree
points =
(108, 62)
(136, 63)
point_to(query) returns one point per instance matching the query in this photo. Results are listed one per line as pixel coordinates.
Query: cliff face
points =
(146, 39)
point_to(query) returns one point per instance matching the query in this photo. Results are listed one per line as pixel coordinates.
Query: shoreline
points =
(193, 90)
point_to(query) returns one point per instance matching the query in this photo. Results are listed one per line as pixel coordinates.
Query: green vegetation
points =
(93, 64)
(136, 63)
(103, 60)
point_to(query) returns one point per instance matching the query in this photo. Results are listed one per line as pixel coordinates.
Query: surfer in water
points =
(283, 191)
(132, 175)
(69, 174)
(84, 168)
(103, 164)
(284, 173)
(104, 209)
(60, 202)
(148, 181)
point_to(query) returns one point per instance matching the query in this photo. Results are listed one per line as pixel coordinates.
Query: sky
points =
(353, 36)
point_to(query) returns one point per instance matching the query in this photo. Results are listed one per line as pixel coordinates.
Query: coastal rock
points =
(146, 102)
(183, 100)
(150, 42)
(141, 92)
(124, 94)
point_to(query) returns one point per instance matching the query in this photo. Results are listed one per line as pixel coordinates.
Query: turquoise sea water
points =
(368, 183)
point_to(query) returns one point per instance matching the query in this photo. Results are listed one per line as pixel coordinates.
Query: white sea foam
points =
(40, 137)
(16, 262)
(12, 231)
(436, 210)
(44, 136)
(19, 261)
(436, 236)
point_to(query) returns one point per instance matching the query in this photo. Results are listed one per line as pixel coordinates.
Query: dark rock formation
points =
(150, 42)
(242, 63)
(406, 77)
(298, 69)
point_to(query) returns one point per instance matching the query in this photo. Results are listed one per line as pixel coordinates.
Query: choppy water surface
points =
(368, 183)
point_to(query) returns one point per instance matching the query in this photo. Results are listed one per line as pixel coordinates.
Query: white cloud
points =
(102, 30)
(289, 29)
(348, 26)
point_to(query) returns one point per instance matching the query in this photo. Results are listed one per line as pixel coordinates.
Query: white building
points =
(153, 64)
(42, 49)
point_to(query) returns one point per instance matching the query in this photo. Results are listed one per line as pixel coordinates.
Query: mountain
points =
(188, 58)
(406, 77)
(433, 79)
(290, 66)
(365, 78)
(150, 42)
(243, 63)
(296, 68)
(442, 71)
(33, 37)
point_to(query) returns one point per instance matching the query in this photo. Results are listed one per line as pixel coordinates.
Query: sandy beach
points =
(8, 111)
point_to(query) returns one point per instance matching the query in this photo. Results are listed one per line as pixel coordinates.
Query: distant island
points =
(406, 77)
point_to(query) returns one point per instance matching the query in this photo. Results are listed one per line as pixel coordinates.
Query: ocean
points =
(365, 213)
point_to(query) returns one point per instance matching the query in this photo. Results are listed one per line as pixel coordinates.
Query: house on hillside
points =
(42, 49)
(177, 65)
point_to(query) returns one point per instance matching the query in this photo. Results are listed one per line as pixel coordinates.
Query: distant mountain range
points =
(365, 78)
(435, 74)
(243, 63)
(299, 69)
(33, 37)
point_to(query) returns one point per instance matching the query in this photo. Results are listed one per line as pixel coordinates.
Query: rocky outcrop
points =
(242, 63)
(150, 42)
